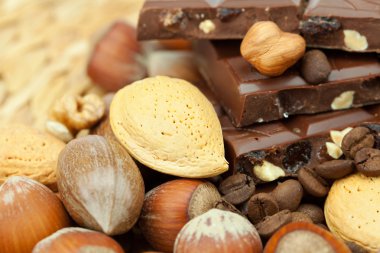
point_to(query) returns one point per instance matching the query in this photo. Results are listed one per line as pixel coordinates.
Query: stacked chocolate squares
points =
(291, 112)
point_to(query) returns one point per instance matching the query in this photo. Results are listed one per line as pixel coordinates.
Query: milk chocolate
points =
(249, 97)
(292, 143)
(329, 24)
(213, 19)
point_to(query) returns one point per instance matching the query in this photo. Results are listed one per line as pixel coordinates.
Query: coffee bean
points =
(288, 194)
(237, 188)
(301, 217)
(270, 224)
(226, 206)
(312, 183)
(356, 139)
(315, 67)
(261, 205)
(368, 161)
(335, 169)
(313, 211)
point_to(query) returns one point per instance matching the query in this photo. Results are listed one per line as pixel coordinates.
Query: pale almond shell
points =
(352, 210)
(25, 151)
(169, 125)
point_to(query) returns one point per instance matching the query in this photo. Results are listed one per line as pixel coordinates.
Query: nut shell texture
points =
(352, 210)
(25, 151)
(218, 231)
(29, 212)
(78, 240)
(100, 184)
(169, 125)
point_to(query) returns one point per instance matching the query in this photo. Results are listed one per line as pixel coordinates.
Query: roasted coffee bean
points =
(313, 211)
(226, 206)
(312, 183)
(356, 139)
(261, 205)
(335, 169)
(237, 188)
(315, 67)
(368, 161)
(298, 217)
(288, 194)
(270, 224)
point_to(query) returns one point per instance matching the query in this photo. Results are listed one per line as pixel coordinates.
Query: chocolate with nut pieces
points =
(341, 24)
(249, 97)
(213, 19)
(277, 149)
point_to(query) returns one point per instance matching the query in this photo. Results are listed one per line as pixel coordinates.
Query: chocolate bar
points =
(351, 25)
(213, 19)
(249, 97)
(291, 143)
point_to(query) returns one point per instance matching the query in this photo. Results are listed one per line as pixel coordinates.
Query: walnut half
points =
(79, 112)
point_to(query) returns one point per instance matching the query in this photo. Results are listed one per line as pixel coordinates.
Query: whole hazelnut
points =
(270, 50)
(300, 237)
(72, 239)
(29, 212)
(168, 207)
(100, 185)
(218, 231)
(114, 62)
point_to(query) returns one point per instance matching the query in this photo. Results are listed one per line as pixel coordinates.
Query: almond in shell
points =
(168, 125)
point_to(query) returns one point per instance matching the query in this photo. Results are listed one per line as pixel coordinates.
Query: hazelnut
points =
(270, 50)
(300, 237)
(207, 26)
(29, 212)
(220, 232)
(168, 207)
(94, 173)
(337, 136)
(267, 171)
(115, 60)
(354, 41)
(334, 150)
(343, 101)
(68, 240)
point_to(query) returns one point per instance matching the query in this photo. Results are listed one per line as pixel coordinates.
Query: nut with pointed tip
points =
(270, 50)
(300, 237)
(170, 126)
(218, 231)
(29, 211)
(168, 207)
(100, 185)
(79, 240)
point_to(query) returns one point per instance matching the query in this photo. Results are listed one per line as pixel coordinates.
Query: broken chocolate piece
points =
(231, 19)
(249, 97)
(293, 143)
(342, 24)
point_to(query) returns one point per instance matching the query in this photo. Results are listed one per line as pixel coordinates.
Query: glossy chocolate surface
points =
(291, 143)
(324, 22)
(249, 97)
(165, 19)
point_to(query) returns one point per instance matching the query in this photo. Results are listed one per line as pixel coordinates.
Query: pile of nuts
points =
(152, 126)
